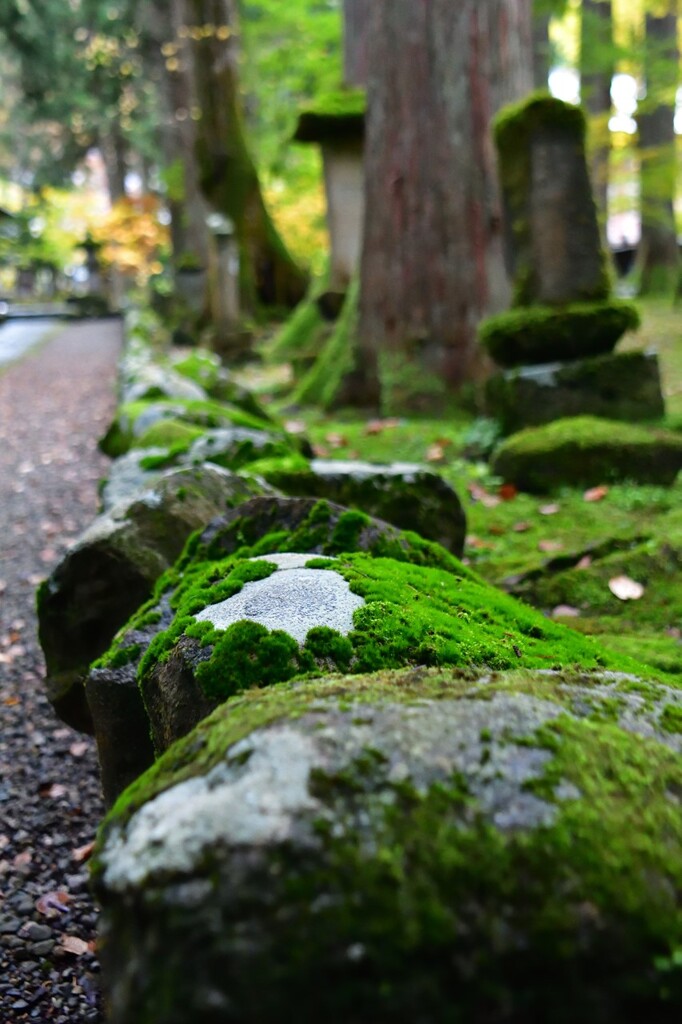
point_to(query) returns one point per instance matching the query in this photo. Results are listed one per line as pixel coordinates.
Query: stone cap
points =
(336, 117)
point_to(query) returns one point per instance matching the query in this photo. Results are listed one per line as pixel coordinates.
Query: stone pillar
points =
(337, 125)
(553, 240)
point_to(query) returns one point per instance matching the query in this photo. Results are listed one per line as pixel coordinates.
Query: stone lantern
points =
(230, 340)
(337, 125)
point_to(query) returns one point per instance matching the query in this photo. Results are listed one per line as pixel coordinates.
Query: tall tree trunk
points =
(114, 153)
(658, 256)
(432, 262)
(227, 173)
(541, 47)
(355, 42)
(166, 54)
(596, 72)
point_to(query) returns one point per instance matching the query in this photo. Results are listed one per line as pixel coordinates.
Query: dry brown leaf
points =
(72, 944)
(336, 440)
(625, 589)
(584, 563)
(508, 492)
(596, 493)
(52, 904)
(320, 451)
(549, 510)
(473, 541)
(82, 853)
(79, 748)
(435, 453)
(52, 790)
(375, 427)
(550, 545)
(294, 426)
(565, 611)
(522, 527)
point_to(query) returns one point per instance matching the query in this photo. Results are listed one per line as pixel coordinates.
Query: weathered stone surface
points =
(112, 568)
(152, 381)
(405, 494)
(585, 451)
(234, 447)
(626, 386)
(551, 219)
(294, 524)
(436, 846)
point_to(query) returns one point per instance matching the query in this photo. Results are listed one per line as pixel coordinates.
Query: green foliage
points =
(336, 117)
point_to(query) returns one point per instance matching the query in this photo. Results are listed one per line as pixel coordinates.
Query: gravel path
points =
(53, 406)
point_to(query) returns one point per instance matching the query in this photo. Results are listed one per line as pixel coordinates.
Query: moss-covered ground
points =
(575, 541)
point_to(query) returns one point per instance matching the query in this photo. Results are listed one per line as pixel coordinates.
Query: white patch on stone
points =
(367, 470)
(296, 600)
(236, 803)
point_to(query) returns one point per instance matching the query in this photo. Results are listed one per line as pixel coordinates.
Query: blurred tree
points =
(432, 262)
(597, 67)
(227, 173)
(355, 42)
(658, 257)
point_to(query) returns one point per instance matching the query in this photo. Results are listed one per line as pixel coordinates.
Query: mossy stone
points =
(622, 386)
(337, 117)
(585, 451)
(436, 846)
(542, 334)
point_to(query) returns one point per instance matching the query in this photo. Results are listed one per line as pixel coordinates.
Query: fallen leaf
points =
(336, 440)
(584, 563)
(486, 499)
(596, 493)
(47, 555)
(52, 790)
(507, 492)
(375, 427)
(9, 702)
(52, 904)
(549, 510)
(473, 541)
(435, 453)
(320, 451)
(566, 611)
(294, 426)
(522, 527)
(550, 545)
(625, 589)
(497, 531)
(82, 853)
(79, 748)
(23, 859)
(72, 944)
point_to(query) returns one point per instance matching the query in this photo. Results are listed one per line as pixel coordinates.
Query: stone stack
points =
(556, 344)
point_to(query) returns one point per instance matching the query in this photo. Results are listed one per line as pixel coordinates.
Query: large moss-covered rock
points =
(111, 571)
(259, 619)
(540, 334)
(410, 846)
(405, 494)
(256, 528)
(585, 450)
(623, 386)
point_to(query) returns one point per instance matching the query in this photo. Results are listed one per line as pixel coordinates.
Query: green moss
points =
(542, 334)
(585, 450)
(323, 385)
(336, 117)
(299, 336)
(269, 468)
(671, 718)
(168, 433)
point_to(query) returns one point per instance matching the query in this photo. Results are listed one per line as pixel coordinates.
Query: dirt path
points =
(53, 406)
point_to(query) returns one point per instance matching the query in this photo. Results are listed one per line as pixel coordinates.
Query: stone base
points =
(626, 386)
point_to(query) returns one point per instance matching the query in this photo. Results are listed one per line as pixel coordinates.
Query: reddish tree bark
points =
(355, 42)
(432, 263)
